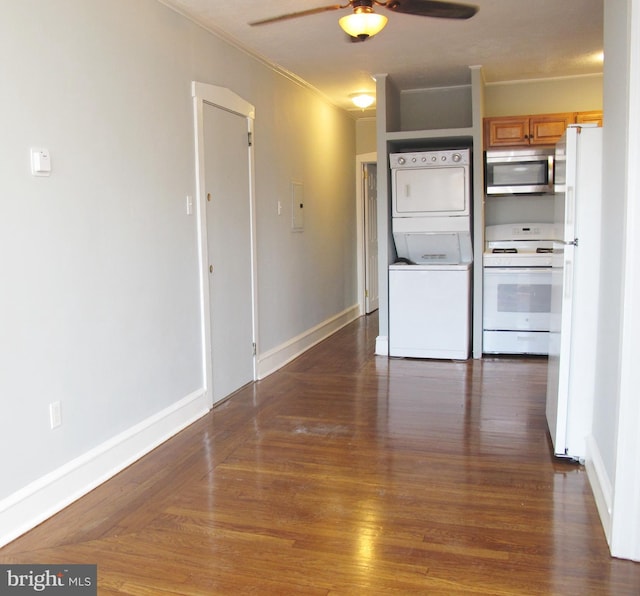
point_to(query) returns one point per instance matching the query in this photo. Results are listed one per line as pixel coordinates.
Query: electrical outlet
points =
(55, 414)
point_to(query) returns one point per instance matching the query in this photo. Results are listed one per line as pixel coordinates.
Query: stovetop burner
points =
(511, 250)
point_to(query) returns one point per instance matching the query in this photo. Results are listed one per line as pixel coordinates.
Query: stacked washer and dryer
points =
(430, 282)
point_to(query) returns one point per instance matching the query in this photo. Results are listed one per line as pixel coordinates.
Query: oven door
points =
(517, 299)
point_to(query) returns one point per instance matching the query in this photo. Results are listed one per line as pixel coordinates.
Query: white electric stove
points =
(517, 288)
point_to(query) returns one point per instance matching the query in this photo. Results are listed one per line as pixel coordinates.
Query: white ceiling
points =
(511, 39)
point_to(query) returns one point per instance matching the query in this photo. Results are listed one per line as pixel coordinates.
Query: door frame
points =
(223, 98)
(625, 513)
(362, 159)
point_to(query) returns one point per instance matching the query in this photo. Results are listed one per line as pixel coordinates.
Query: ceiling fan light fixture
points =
(363, 99)
(363, 23)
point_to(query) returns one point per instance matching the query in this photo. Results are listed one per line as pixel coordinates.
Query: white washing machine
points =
(429, 294)
(429, 314)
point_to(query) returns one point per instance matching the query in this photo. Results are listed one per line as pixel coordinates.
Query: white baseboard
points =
(272, 360)
(31, 505)
(382, 345)
(600, 485)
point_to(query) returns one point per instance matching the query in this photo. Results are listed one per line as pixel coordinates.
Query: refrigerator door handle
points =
(573, 242)
(568, 279)
(570, 208)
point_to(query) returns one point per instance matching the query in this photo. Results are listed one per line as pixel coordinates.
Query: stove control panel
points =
(532, 231)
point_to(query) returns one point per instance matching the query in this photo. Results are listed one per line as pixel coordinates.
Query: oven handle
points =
(502, 270)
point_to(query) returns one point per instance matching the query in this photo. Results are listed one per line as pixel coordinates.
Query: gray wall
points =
(448, 107)
(99, 307)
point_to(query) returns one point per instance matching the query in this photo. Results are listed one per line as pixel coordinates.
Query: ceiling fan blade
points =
(432, 8)
(295, 15)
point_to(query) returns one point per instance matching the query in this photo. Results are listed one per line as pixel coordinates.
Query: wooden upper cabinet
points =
(506, 132)
(542, 129)
(589, 117)
(547, 129)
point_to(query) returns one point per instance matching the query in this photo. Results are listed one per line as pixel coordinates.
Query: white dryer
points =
(429, 289)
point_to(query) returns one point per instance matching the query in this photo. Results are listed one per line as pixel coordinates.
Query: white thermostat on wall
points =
(40, 162)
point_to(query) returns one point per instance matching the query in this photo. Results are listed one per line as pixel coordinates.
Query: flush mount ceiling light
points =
(363, 99)
(363, 22)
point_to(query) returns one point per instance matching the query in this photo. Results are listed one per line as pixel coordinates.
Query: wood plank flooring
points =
(346, 473)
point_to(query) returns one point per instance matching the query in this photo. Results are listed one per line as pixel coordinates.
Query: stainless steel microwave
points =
(519, 171)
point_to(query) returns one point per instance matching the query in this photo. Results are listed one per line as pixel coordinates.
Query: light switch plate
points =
(40, 162)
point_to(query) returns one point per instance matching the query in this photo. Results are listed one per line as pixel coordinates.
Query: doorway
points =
(224, 125)
(367, 201)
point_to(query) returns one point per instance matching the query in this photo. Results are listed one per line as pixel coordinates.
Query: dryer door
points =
(420, 192)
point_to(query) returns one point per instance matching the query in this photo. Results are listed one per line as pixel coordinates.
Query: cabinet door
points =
(548, 128)
(589, 117)
(506, 132)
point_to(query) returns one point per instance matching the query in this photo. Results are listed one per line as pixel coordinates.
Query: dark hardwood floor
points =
(346, 473)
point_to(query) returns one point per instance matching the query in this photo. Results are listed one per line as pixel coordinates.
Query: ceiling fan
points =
(363, 22)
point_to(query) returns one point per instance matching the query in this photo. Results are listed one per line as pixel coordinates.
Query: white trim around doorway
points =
(226, 99)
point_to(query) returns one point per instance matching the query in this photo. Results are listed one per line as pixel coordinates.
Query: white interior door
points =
(229, 248)
(371, 236)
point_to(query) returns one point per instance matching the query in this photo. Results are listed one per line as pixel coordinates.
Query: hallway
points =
(347, 473)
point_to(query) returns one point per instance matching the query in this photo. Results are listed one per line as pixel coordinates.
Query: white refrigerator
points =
(574, 291)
